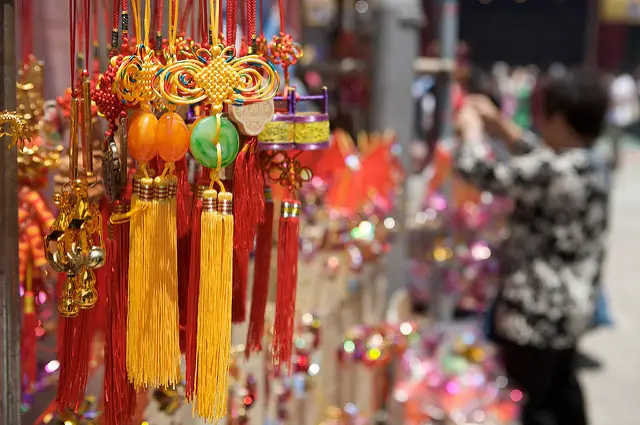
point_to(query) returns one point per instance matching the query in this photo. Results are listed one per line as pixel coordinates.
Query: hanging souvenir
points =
(153, 350)
(298, 130)
(75, 245)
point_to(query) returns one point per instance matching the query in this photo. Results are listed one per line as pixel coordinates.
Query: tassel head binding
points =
(289, 208)
(145, 190)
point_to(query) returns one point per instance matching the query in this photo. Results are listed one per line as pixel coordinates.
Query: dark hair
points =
(581, 97)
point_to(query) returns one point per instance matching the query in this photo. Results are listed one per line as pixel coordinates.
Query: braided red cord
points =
(159, 12)
(115, 17)
(125, 22)
(251, 19)
(261, 19)
(243, 19)
(220, 20)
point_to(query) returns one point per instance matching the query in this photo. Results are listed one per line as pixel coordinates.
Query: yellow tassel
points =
(140, 241)
(213, 356)
(162, 363)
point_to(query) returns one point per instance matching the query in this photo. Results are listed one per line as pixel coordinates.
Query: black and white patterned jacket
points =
(553, 257)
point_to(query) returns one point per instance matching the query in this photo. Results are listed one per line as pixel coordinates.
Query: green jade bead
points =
(203, 147)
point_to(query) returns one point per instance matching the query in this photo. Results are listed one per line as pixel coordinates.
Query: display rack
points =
(9, 297)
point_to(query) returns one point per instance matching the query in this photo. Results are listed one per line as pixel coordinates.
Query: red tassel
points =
(29, 340)
(184, 207)
(239, 295)
(261, 272)
(74, 361)
(249, 203)
(289, 229)
(183, 199)
(192, 299)
(119, 393)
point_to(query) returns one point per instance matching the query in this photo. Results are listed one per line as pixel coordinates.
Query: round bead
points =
(203, 145)
(193, 125)
(172, 137)
(142, 137)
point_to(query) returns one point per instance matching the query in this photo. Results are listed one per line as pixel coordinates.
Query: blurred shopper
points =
(550, 271)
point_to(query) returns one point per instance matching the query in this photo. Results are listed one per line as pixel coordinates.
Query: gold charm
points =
(18, 128)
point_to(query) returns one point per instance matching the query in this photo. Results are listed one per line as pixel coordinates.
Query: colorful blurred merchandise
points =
(454, 376)
(460, 245)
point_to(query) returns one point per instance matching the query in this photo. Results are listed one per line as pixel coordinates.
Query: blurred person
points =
(553, 257)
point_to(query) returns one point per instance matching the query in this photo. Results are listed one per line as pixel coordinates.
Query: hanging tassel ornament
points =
(193, 295)
(119, 395)
(214, 306)
(261, 273)
(289, 229)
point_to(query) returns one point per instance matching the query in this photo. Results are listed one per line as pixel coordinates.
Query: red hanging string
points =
(87, 31)
(73, 10)
(159, 13)
(204, 31)
(186, 12)
(281, 8)
(124, 7)
(193, 295)
(261, 18)
(232, 21)
(220, 22)
(251, 19)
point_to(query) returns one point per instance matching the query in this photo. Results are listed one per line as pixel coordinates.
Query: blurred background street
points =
(612, 385)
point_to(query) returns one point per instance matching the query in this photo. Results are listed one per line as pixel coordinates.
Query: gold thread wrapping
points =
(277, 132)
(313, 132)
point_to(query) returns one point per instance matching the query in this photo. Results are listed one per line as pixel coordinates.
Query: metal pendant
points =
(112, 169)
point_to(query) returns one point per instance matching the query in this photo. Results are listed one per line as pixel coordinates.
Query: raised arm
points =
(513, 177)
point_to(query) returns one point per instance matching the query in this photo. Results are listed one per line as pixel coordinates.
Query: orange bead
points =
(132, 117)
(142, 137)
(172, 137)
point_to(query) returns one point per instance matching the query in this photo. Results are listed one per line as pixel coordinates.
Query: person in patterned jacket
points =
(553, 257)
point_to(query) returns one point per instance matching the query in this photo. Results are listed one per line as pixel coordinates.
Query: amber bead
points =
(142, 137)
(172, 137)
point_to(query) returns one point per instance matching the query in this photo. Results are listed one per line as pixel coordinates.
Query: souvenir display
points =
(188, 155)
